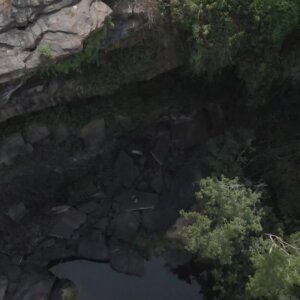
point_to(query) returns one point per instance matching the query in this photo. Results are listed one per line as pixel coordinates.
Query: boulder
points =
(17, 212)
(61, 132)
(36, 133)
(93, 134)
(93, 247)
(125, 225)
(12, 147)
(125, 170)
(125, 260)
(67, 223)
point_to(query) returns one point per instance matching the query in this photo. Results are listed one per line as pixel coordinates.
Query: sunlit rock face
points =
(33, 32)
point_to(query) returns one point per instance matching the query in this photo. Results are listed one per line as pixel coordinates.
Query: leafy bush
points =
(244, 33)
(277, 269)
(226, 232)
(228, 216)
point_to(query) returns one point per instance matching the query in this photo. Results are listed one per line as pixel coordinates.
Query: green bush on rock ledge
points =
(244, 33)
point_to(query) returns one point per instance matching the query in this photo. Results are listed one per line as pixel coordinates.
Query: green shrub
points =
(226, 233)
(244, 33)
(228, 216)
(45, 51)
(277, 269)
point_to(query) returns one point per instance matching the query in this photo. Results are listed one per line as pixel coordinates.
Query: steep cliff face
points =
(36, 34)
(34, 30)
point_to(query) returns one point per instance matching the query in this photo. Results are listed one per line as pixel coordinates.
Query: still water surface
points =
(97, 281)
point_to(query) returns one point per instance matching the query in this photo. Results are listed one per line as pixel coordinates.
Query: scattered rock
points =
(125, 226)
(3, 286)
(93, 134)
(93, 247)
(125, 170)
(67, 223)
(17, 212)
(125, 260)
(12, 147)
(36, 133)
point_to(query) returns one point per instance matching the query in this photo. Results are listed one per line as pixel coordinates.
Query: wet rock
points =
(93, 247)
(34, 286)
(17, 212)
(51, 250)
(157, 182)
(125, 170)
(93, 134)
(133, 200)
(125, 260)
(36, 133)
(67, 223)
(3, 286)
(12, 147)
(125, 226)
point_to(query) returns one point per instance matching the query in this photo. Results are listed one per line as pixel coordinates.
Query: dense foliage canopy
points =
(227, 232)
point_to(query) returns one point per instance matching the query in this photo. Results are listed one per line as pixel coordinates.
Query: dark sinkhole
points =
(97, 281)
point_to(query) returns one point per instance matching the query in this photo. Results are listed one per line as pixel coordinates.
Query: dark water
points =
(98, 281)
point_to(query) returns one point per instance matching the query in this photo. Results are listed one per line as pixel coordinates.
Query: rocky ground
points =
(92, 193)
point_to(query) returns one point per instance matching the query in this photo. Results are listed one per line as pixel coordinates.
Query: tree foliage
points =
(227, 232)
(228, 216)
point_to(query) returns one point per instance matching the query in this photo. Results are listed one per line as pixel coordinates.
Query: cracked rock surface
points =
(32, 31)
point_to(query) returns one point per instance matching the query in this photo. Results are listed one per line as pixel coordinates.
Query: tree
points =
(277, 269)
(228, 217)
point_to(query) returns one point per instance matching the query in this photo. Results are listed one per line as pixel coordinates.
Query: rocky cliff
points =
(35, 34)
